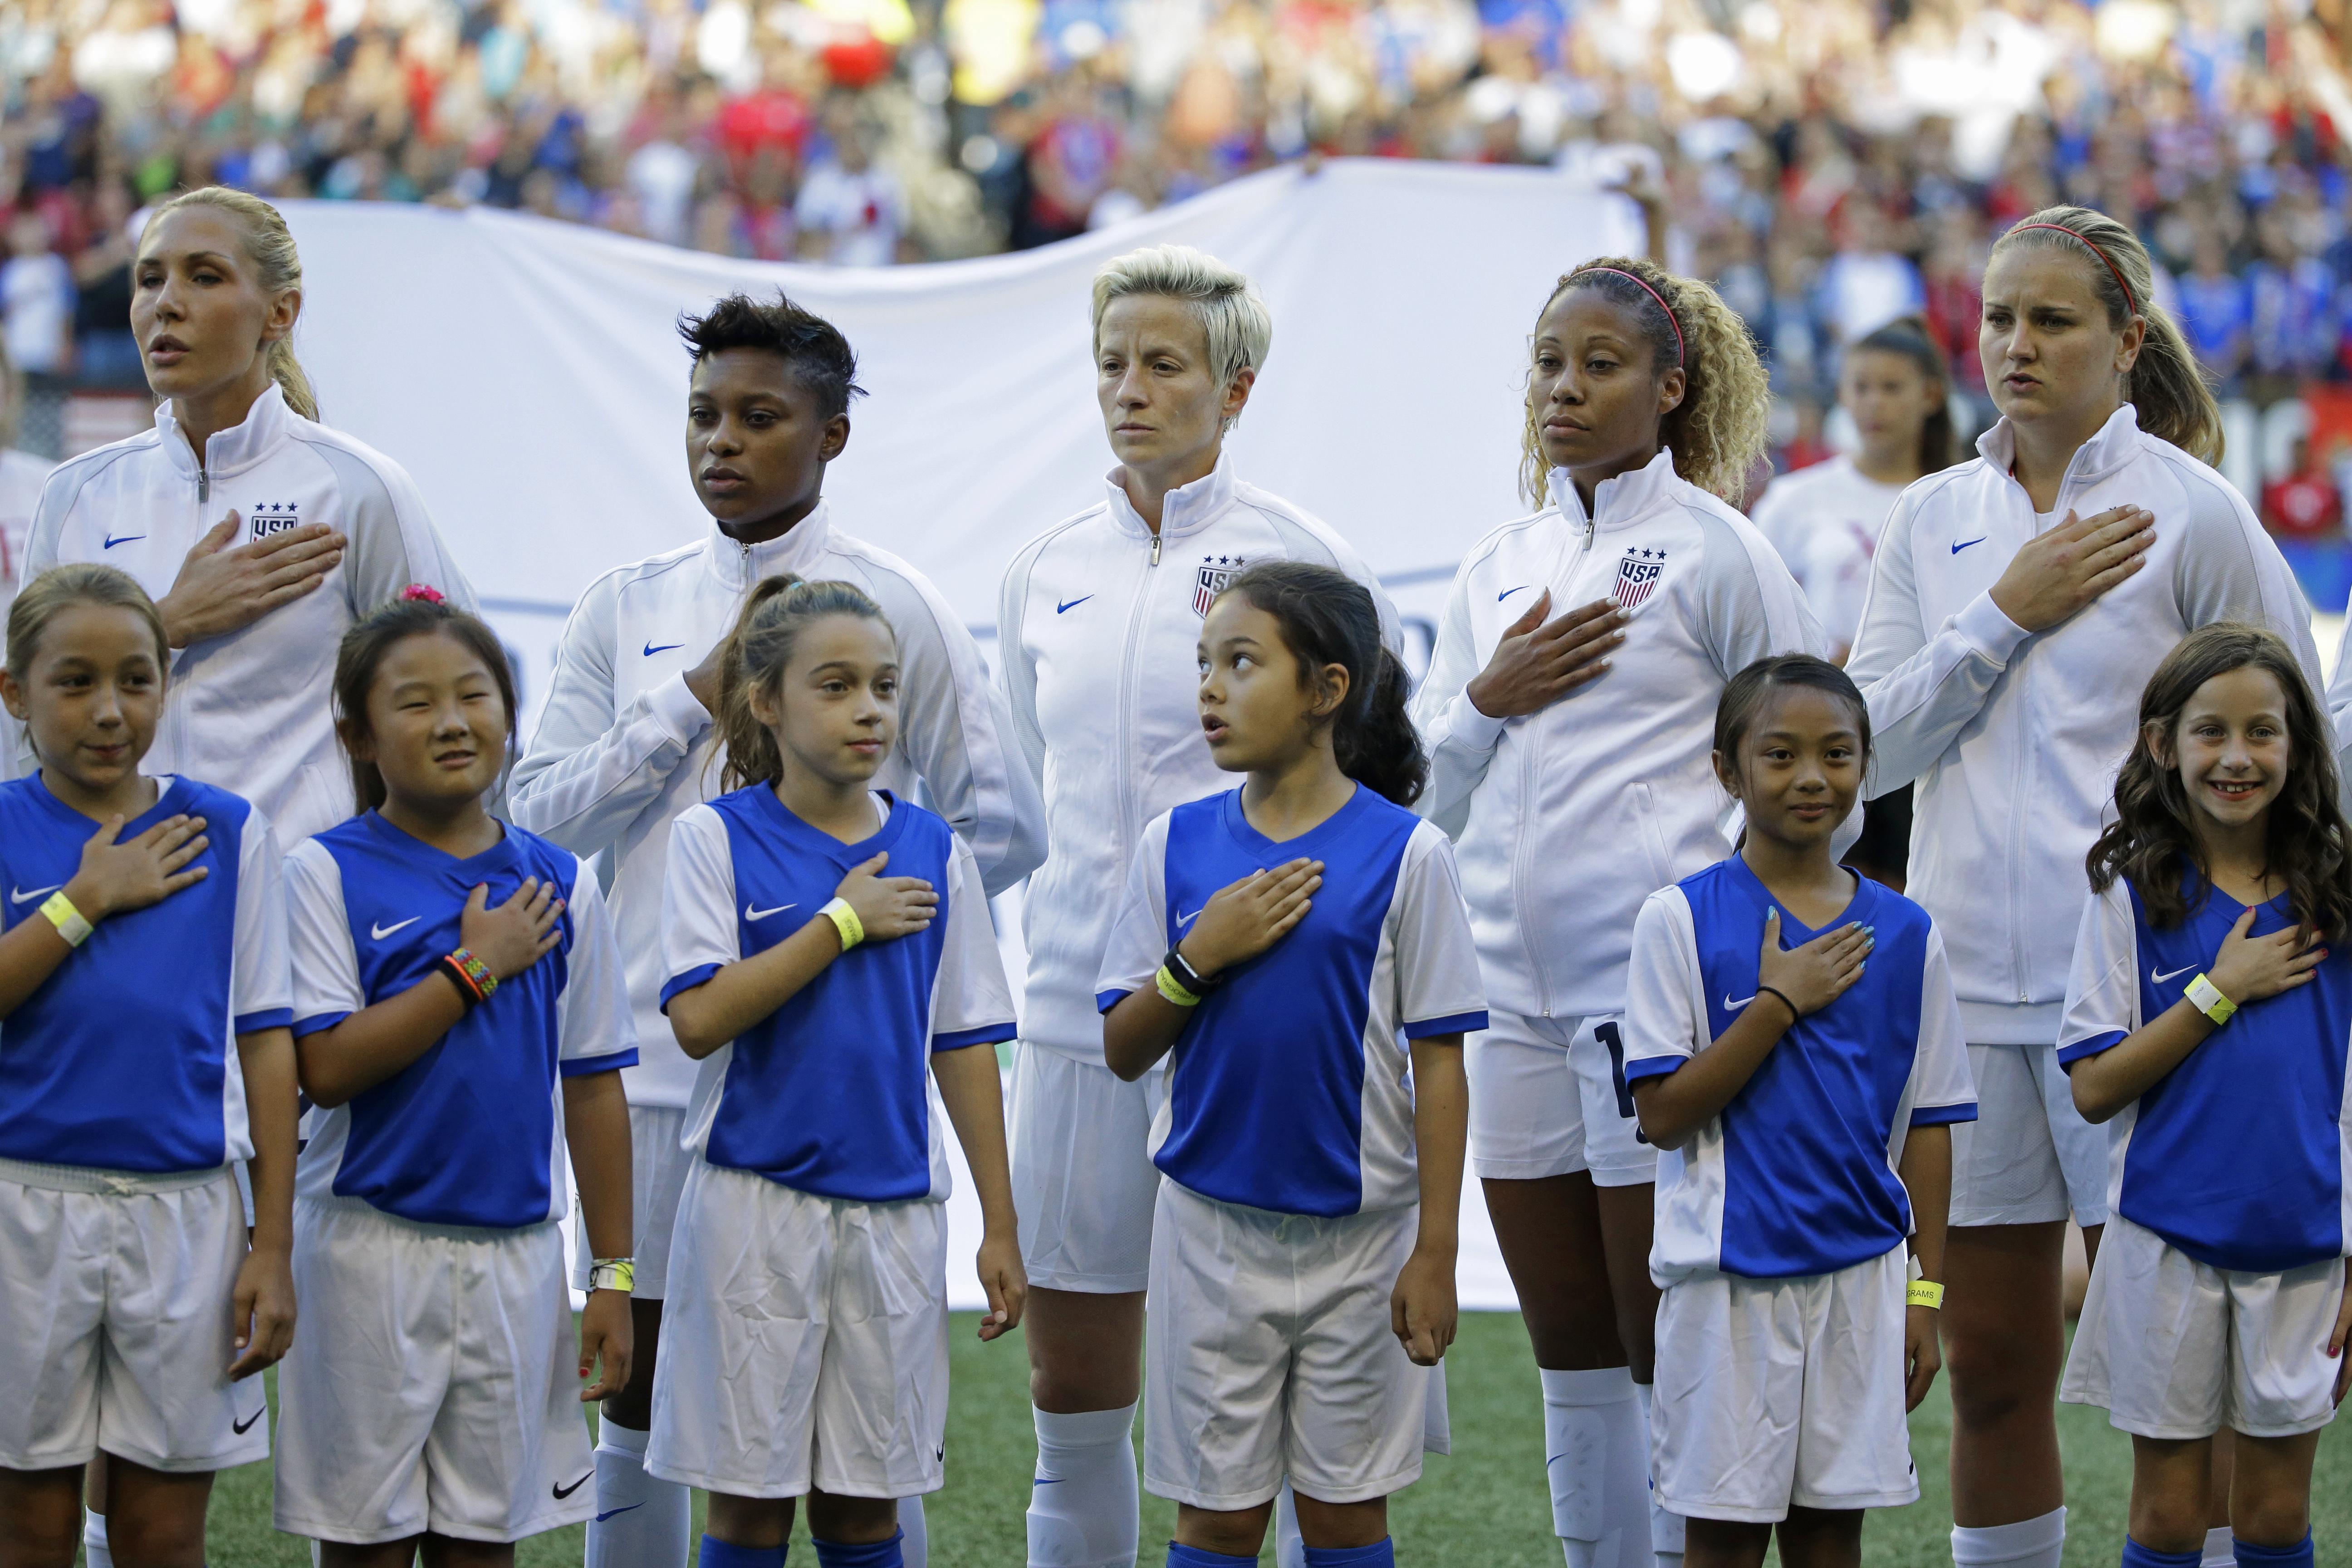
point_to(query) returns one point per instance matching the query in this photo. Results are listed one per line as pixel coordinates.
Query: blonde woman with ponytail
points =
(2018, 603)
(261, 534)
(1570, 713)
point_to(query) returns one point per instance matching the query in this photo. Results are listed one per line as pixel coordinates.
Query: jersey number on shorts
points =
(1607, 1035)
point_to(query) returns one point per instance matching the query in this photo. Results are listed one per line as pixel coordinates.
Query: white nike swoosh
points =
(2159, 979)
(751, 914)
(17, 898)
(1183, 921)
(380, 933)
(1729, 1005)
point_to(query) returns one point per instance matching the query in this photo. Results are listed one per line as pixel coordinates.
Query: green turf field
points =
(1483, 1506)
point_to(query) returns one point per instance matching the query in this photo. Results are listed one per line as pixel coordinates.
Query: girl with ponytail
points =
(2017, 603)
(1280, 943)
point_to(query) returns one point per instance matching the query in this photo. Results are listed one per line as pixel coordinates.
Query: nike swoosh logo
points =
(1729, 1005)
(1964, 543)
(1047, 1482)
(1508, 592)
(651, 649)
(751, 914)
(381, 931)
(1074, 604)
(242, 1427)
(615, 1513)
(563, 1492)
(2159, 979)
(113, 539)
(17, 898)
(1183, 921)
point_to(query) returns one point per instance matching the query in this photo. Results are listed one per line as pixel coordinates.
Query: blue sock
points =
(2252, 1556)
(864, 1554)
(718, 1554)
(1381, 1553)
(1183, 1556)
(2138, 1556)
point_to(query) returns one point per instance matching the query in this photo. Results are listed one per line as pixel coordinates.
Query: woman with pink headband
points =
(2018, 604)
(1568, 710)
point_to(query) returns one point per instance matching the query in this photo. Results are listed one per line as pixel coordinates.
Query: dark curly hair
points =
(2152, 835)
(811, 345)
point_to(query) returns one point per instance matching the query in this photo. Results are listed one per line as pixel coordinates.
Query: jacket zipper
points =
(1123, 781)
(1521, 871)
(2021, 776)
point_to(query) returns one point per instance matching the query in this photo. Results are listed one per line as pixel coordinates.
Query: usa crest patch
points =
(1215, 572)
(275, 517)
(1637, 575)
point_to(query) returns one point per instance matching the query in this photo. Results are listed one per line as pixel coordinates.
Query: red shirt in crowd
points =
(2303, 506)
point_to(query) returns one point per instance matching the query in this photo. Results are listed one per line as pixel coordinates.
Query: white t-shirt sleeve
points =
(1943, 1088)
(261, 988)
(699, 936)
(1439, 990)
(1138, 931)
(597, 1032)
(324, 965)
(2103, 986)
(1665, 1008)
(971, 1002)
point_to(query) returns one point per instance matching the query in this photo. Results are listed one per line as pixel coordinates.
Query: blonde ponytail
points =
(277, 266)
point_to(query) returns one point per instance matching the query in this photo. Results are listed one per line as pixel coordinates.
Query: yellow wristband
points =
(1172, 990)
(612, 1273)
(67, 919)
(1925, 1293)
(2206, 999)
(845, 919)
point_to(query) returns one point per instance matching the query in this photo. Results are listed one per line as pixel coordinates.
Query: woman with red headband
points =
(1568, 709)
(2018, 604)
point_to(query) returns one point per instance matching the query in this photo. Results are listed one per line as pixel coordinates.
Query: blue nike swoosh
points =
(111, 540)
(603, 1517)
(1047, 1482)
(1508, 592)
(1074, 604)
(651, 649)
(1964, 543)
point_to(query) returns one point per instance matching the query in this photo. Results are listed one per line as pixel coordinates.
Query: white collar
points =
(795, 551)
(232, 450)
(1616, 502)
(1187, 509)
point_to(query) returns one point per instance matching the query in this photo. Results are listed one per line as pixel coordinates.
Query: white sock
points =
(2028, 1543)
(1083, 1506)
(94, 1549)
(915, 1550)
(640, 1522)
(1665, 1528)
(1598, 1465)
(2220, 1548)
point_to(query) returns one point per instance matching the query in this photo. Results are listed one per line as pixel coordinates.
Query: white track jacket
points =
(1100, 629)
(2015, 739)
(1568, 818)
(251, 711)
(624, 747)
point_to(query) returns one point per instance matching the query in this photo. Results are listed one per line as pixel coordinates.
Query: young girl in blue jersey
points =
(460, 1020)
(1793, 1047)
(143, 1049)
(2208, 1017)
(832, 968)
(1301, 947)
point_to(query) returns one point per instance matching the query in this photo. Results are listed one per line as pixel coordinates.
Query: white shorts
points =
(1548, 1097)
(658, 1168)
(1083, 1180)
(1267, 1354)
(2029, 1157)
(1774, 1393)
(2176, 1349)
(804, 1343)
(433, 1384)
(116, 1320)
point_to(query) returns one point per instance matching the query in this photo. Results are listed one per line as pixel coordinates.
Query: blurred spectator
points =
(2306, 505)
(37, 295)
(850, 213)
(21, 476)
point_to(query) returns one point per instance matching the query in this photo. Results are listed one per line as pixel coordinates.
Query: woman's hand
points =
(1244, 919)
(263, 1311)
(1422, 1311)
(117, 877)
(2335, 1343)
(607, 1334)
(220, 590)
(1816, 974)
(2058, 572)
(1923, 1357)
(518, 933)
(1538, 664)
(887, 906)
(2249, 968)
(1004, 1279)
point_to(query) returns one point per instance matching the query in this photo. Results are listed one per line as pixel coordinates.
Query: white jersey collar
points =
(795, 551)
(1188, 508)
(2115, 444)
(232, 450)
(1628, 498)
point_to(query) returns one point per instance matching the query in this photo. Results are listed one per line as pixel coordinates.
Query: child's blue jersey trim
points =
(125, 1058)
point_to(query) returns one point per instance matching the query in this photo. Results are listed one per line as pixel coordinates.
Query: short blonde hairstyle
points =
(1226, 302)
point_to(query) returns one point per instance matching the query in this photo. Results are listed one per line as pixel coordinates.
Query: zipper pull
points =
(203, 486)
(1155, 550)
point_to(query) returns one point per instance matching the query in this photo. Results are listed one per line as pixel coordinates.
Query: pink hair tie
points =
(2129, 304)
(1681, 356)
(420, 591)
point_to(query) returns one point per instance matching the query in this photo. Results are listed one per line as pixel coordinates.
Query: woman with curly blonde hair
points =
(1581, 740)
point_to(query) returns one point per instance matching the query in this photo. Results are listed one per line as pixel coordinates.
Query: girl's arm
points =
(1676, 1105)
(114, 879)
(2248, 969)
(351, 1057)
(1927, 1172)
(264, 1298)
(596, 1130)
(1241, 921)
(973, 1094)
(1422, 1308)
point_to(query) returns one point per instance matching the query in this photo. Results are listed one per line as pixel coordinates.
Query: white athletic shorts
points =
(1774, 1393)
(658, 1168)
(1083, 1180)
(433, 1384)
(2176, 1349)
(2029, 1157)
(805, 1342)
(1548, 1097)
(116, 1320)
(1267, 1354)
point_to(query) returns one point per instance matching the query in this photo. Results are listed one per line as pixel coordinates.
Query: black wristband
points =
(450, 969)
(1189, 977)
(1784, 1000)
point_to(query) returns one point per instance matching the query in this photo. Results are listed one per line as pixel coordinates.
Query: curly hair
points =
(811, 345)
(2153, 838)
(1718, 431)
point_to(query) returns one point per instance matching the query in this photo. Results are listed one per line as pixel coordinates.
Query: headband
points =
(1681, 356)
(2129, 304)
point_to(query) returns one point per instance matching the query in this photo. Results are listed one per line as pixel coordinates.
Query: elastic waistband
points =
(334, 1203)
(112, 1183)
